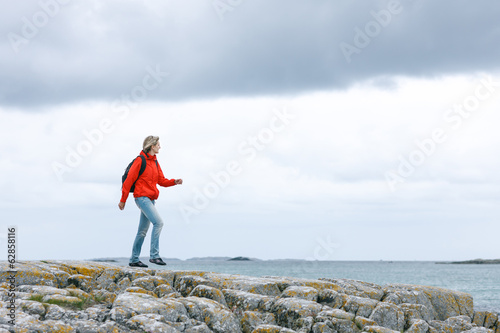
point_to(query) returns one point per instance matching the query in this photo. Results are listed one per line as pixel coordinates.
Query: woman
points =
(145, 194)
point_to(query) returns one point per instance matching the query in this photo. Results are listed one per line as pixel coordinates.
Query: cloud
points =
(99, 51)
(325, 169)
(90, 82)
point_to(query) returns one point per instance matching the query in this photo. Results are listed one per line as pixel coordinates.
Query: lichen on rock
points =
(78, 296)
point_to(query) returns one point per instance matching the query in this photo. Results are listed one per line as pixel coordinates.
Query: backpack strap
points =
(143, 165)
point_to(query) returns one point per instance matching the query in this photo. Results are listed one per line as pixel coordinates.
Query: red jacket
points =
(146, 183)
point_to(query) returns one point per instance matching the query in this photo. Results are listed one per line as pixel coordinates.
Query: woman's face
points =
(155, 149)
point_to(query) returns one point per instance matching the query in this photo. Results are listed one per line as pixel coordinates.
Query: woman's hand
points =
(121, 205)
(178, 181)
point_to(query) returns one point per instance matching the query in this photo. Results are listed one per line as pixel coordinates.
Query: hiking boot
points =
(157, 261)
(137, 264)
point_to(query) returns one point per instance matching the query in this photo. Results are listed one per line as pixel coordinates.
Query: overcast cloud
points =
(371, 126)
(96, 50)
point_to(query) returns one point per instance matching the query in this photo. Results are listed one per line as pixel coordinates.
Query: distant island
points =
(104, 260)
(475, 262)
(239, 259)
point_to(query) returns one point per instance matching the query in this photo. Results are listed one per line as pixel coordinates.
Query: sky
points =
(325, 130)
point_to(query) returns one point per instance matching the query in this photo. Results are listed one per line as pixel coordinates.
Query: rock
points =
(186, 284)
(459, 323)
(362, 322)
(257, 286)
(54, 326)
(140, 291)
(42, 290)
(221, 320)
(149, 282)
(124, 283)
(378, 329)
(444, 303)
(216, 316)
(332, 298)
(31, 307)
(168, 276)
(203, 328)
(485, 319)
(29, 274)
(399, 294)
(210, 293)
(75, 292)
(71, 316)
(294, 312)
(358, 288)
(173, 295)
(319, 285)
(128, 305)
(86, 326)
(491, 320)
(440, 326)
(54, 312)
(329, 314)
(108, 278)
(416, 311)
(360, 306)
(479, 330)
(323, 327)
(272, 329)
(418, 326)
(31, 324)
(97, 313)
(285, 282)
(150, 323)
(246, 301)
(145, 282)
(103, 296)
(70, 296)
(135, 273)
(83, 282)
(479, 317)
(113, 327)
(307, 293)
(389, 316)
(250, 321)
(163, 290)
(344, 326)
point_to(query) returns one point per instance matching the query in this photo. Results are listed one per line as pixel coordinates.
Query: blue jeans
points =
(148, 214)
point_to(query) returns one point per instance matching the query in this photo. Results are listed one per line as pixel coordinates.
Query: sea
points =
(480, 281)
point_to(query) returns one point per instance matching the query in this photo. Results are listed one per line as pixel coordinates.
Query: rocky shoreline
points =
(77, 296)
(476, 262)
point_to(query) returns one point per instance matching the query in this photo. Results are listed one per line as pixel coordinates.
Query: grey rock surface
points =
(76, 296)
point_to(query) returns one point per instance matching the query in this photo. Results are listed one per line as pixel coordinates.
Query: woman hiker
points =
(145, 194)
